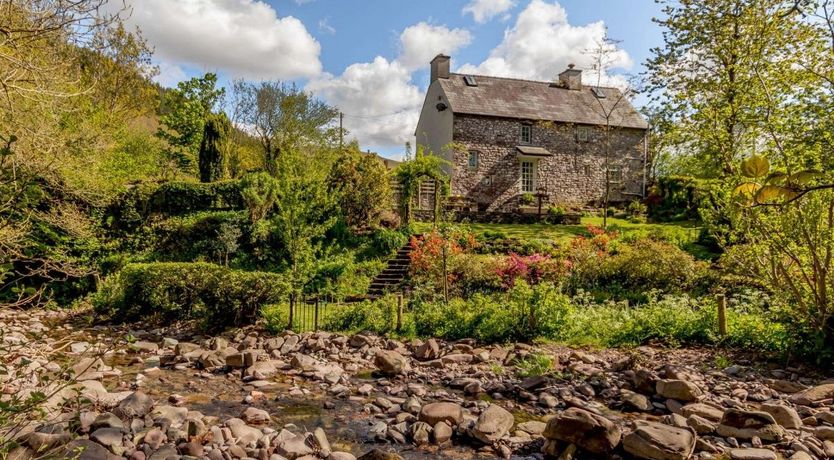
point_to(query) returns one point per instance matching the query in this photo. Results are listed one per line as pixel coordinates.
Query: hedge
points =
(169, 291)
(132, 207)
(195, 236)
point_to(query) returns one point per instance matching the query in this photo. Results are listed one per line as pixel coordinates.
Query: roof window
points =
(470, 80)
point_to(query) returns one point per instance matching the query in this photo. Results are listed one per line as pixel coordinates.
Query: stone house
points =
(509, 140)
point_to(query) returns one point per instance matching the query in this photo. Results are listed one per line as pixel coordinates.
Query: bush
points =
(167, 291)
(378, 316)
(196, 236)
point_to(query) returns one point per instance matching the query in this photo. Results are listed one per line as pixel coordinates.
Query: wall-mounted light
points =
(441, 106)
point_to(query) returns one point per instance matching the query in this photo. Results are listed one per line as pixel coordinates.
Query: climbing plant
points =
(411, 173)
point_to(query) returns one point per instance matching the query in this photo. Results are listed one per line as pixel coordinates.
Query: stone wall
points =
(573, 176)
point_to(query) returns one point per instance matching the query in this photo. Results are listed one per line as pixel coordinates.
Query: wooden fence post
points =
(399, 312)
(722, 314)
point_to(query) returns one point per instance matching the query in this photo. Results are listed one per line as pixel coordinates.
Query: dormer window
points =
(526, 133)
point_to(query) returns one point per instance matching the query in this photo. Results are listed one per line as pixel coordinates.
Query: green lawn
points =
(563, 233)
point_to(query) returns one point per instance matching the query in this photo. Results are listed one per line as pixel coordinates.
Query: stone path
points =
(167, 393)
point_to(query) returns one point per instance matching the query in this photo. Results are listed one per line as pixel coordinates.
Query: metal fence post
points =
(292, 308)
(316, 315)
(722, 314)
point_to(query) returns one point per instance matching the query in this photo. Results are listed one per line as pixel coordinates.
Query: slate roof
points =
(537, 100)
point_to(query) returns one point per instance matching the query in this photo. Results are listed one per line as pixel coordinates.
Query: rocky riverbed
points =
(123, 392)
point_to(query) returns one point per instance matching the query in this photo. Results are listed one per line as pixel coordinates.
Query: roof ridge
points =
(525, 80)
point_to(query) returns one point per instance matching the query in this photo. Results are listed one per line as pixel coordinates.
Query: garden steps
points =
(393, 274)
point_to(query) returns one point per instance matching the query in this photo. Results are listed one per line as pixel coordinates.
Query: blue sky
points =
(370, 57)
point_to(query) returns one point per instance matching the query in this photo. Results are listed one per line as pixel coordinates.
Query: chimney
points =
(439, 67)
(570, 78)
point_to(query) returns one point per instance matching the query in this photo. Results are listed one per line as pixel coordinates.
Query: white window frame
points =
(533, 173)
(473, 154)
(529, 129)
(582, 133)
(615, 170)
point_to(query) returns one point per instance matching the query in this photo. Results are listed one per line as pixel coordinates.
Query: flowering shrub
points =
(429, 250)
(533, 269)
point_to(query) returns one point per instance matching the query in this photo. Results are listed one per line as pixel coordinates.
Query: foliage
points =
(203, 236)
(210, 159)
(185, 110)
(176, 198)
(534, 365)
(411, 173)
(283, 118)
(259, 192)
(533, 269)
(378, 316)
(363, 187)
(167, 291)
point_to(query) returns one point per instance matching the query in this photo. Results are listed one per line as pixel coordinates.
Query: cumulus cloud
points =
(421, 42)
(245, 38)
(381, 105)
(379, 99)
(484, 10)
(542, 43)
(324, 26)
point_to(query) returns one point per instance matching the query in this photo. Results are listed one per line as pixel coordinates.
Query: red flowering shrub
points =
(428, 252)
(533, 269)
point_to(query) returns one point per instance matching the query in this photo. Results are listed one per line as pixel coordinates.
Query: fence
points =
(311, 313)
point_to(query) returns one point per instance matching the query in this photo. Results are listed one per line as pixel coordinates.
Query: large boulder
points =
(744, 424)
(428, 350)
(655, 441)
(85, 449)
(493, 424)
(448, 412)
(591, 432)
(682, 390)
(390, 362)
(813, 395)
(784, 415)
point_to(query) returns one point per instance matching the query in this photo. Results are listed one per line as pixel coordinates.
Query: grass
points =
(564, 233)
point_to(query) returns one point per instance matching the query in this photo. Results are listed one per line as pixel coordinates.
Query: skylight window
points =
(470, 80)
(598, 92)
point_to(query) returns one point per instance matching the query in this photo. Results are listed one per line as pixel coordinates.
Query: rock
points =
(493, 424)
(589, 431)
(193, 449)
(442, 432)
(420, 433)
(235, 361)
(433, 413)
(681, 390)
(337, 456)
(85, 449)
(183, 348)
(390, 362)
(700, 424)
(743, 424)
(655, 441)
(813, 395)
(705, 411)
(294, 447)
(243, 432)
(801, 456)
(303, 362)
(635, 401)
(320, 440)
(428, 350)
(209, 360)
(457, 358)
(136, 405)
(109, 437)
(261, 370)
(784, 415)
(142, 346)
(79, 347)
(106, 420)
(752, 454)
(255, 416)
(377, 454)
(533, 427)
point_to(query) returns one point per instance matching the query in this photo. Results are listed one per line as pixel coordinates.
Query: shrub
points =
(167, 291)
(385, 242)
(378, 316)
(197, 236)
(534, 365)
(174, 198)
(527, 199)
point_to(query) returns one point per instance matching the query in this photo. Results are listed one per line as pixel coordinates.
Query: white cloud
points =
(380, 102)
(381, 105)
(324, 26)
(421, 42)
(542, 43)
(484, 10)
(170, 74)
(245, 38)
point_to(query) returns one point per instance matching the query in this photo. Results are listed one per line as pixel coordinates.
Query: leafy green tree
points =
(363, 187)
(185, 110)
(707, 77)
(283, 117)
(259, 192)
(215, 135)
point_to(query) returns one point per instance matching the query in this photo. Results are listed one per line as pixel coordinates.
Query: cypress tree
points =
(215, 133)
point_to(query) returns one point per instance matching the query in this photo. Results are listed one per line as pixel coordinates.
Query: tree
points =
(706, 77)
(283, 117)
(363, 187)
(211, 159)
(185, 110)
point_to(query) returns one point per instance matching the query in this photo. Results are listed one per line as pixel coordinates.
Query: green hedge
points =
(134, 206)
(170, 291)
(195, 236)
